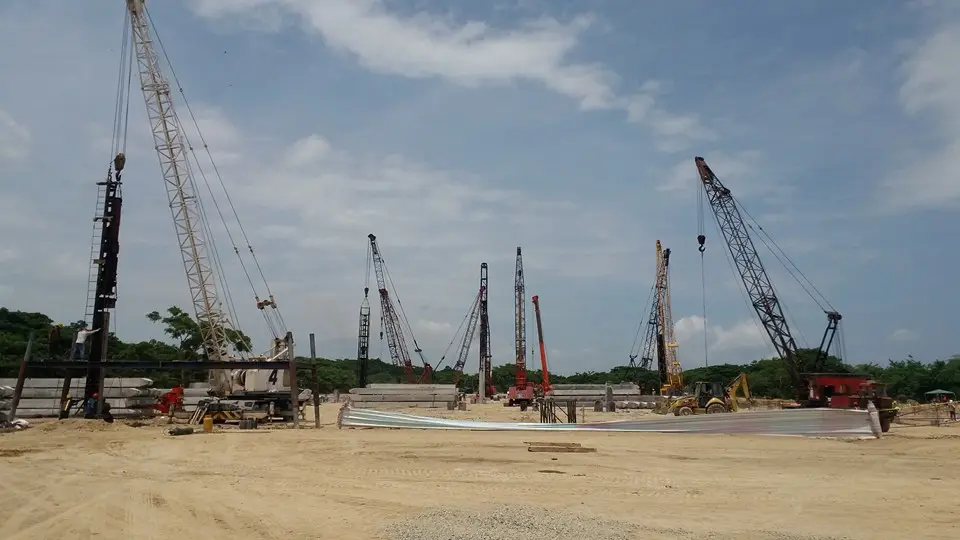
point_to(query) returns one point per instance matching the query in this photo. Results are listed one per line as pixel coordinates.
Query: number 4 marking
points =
(273, 376)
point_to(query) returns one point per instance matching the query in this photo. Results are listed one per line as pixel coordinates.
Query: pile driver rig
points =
(813, 388)
(522, 391)
(486, 356)
(476, 316)
(671, 374)
(659, 341)
(221, 340)
(472, 318)
(393, 322)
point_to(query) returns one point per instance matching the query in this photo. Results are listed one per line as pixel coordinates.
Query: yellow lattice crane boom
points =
(671, 374)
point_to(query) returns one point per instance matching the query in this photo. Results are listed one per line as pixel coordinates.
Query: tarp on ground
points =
(797, 422)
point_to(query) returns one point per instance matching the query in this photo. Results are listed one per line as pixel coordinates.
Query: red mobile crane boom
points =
(543, 350)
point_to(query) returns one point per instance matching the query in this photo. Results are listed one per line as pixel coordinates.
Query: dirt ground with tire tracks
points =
(79, 480)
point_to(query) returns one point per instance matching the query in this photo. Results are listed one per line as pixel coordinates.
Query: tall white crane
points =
(181, 189)
(197, 249)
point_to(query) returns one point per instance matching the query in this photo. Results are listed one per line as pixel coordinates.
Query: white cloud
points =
(904, 335)
(469, 54)
(930, 91)
(14, 139)
(739, 172)
(434, 327)
(744, 337)
(308, 207)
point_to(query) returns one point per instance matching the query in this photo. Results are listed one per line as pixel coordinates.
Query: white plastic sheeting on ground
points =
(797, 422)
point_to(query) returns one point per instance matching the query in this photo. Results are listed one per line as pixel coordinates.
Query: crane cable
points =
(634, 349)
(473, 307)
(118, 143)
(702, 240)
(214, 252)
(279, 324)
(404, 321)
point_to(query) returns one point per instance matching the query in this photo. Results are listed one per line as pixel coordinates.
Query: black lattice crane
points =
(393, 322)
(757, 283)
(486, 360)
(464, 351)
(363, 338)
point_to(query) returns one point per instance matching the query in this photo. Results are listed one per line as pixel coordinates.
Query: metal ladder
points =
(95, 239)
(199, 413)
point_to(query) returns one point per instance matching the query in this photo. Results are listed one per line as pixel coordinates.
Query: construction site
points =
(92, 448)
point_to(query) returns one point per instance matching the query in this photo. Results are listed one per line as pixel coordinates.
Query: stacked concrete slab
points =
(625, 395)
(127, 396)
(404, 395)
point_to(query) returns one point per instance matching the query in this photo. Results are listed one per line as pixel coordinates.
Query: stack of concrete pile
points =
(193, 393)
(625, 395)
(127, 396)
(404, 395)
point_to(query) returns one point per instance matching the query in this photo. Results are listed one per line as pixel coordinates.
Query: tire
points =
(715, 408)
(684, 411)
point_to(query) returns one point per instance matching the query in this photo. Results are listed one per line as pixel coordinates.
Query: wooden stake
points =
(21, 379)
(564, 449)
(105, 336)
(294, 390)
(316, 381)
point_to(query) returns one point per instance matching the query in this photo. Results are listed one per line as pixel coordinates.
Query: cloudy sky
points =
(457, 131)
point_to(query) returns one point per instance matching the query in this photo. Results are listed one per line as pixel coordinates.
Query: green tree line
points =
(906, 379)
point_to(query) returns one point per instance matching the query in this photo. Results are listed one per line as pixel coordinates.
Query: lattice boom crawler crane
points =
(195, 240)
(813, 389)
(394, 322)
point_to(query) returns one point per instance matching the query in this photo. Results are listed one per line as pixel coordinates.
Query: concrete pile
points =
(625, 395)
(404, 395)
(127, 396)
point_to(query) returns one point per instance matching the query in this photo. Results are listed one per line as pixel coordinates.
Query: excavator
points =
(712, 397)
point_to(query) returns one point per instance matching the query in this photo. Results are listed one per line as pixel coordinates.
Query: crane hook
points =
(701, 239)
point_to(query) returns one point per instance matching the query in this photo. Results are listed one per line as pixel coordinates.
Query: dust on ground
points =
(79, 479)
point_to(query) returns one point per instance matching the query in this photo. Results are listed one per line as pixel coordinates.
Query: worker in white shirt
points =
(79, 348)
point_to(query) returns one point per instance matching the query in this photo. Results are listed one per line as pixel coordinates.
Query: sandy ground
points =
(80, 480)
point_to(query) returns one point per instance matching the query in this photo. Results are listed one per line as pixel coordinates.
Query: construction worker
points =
(79, 347)
(90, 407)
(55, 340)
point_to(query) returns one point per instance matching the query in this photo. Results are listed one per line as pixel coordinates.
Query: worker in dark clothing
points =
(90, 409)
(55, 340)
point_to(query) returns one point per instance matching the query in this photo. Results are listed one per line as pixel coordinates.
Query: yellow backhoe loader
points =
(712, 397)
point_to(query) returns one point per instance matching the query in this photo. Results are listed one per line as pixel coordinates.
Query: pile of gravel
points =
(508, 522)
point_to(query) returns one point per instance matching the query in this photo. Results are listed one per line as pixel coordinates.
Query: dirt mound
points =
(80, 425)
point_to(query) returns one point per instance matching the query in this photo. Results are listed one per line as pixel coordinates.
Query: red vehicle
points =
(170, 401)
(850, 391)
